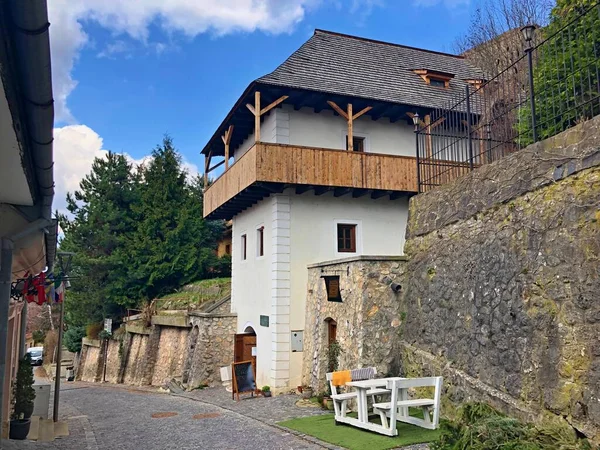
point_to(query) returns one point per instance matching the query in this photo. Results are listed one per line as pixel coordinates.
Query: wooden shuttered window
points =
(346, 238)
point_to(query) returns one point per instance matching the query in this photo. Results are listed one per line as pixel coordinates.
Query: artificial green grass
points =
(324, 428)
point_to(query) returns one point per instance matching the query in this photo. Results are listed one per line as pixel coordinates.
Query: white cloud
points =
(116, 48)
(75, 147)
(133, 18)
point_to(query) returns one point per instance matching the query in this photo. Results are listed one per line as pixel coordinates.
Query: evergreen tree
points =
(102, 220)
(173, 244)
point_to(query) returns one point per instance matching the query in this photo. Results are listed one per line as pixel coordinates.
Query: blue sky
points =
(125, 76)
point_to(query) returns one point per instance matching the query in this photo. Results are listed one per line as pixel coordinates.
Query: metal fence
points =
(551, 87)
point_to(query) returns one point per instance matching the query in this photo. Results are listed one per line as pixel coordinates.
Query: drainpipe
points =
(6, 256)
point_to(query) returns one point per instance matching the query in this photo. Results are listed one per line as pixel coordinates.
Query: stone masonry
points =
(191, 346)
(368, 319)
(502, 292)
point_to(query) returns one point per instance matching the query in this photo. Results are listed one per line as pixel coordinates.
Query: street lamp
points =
(415, 119)
(528, 32)
(65, 260)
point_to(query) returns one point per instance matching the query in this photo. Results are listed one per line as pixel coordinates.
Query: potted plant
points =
(23, 396)
(266, 390)
(307, 392)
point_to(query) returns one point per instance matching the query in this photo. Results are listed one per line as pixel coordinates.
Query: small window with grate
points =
(346, 238)
(358, 143)
(260, 241)
(243, 247)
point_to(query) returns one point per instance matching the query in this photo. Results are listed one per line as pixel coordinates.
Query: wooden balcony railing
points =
(282, 165)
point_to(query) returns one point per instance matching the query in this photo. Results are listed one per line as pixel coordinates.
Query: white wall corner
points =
(280, 287)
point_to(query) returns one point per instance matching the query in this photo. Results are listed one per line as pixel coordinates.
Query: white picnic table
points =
(396, 408)
(362, 387)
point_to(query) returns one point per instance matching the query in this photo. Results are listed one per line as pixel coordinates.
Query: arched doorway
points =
(245, 346)
(330, 345)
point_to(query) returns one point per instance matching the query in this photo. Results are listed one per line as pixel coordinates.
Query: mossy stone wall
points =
(502, 295)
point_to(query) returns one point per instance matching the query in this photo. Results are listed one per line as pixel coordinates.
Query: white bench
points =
(340, 401)
(399, 389)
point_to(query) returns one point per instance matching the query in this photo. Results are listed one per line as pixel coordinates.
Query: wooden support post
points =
(429, 128)
(257, 116)
(226, 138)
(350, 128)
(350, 118)
(257, 112)
(429, 144)
(206, 166)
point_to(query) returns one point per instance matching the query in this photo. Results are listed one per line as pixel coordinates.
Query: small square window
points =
(243, 246)
(358, 143)
(437, 82)
(260, 241)
(346, 238)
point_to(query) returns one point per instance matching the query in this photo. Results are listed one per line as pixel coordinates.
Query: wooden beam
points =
(356, 193)
(251, 108)
(226, 140)
(350, 128)
(256, 116)
(338, 192)
(206, 165)
(268, 108)
(397, 195)
(361, 112)
(378, 194)
(303, 188)
(339, 110)
(321, 190)
(216, 165)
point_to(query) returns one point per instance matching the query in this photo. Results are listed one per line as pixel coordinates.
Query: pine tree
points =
(103, 218)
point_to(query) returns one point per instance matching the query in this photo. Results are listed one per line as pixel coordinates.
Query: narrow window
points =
(243, 247)
(437, 82)
(358, 143)
(260, 241)
(346, 238)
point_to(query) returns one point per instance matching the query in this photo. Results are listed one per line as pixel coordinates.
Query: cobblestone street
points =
(109, 417)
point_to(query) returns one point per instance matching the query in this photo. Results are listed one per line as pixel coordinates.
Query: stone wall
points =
(368, 318)
(172, 349)
(212, 349)
(193, 351)
(502, 294)
(134, 369)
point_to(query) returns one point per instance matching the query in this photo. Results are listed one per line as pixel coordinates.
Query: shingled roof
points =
(352, 66)
(339, 67)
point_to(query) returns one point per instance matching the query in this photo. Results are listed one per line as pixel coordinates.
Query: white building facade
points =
(329, 177)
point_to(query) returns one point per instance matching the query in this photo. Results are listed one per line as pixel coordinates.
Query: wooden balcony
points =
(270, 168)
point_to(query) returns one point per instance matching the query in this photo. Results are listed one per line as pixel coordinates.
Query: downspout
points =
(30, 36)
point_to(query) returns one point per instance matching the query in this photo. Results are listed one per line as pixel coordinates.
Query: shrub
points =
(24, 394)
(480, 427)
(73, 337)
(93, 329)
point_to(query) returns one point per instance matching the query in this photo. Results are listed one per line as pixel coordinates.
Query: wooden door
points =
(331, 331)
(244, 343)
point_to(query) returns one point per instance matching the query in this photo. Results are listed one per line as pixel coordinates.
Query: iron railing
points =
(551, 87)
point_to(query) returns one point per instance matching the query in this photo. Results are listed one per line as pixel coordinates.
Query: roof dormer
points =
(434, 77)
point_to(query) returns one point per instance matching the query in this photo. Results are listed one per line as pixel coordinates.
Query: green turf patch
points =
(195, 295)
(324, 428)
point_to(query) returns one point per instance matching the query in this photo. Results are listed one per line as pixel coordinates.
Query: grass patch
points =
(324, 428)
(196, 294)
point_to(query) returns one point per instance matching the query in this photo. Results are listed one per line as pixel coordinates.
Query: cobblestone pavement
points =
(120, 418)
(269, 410)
